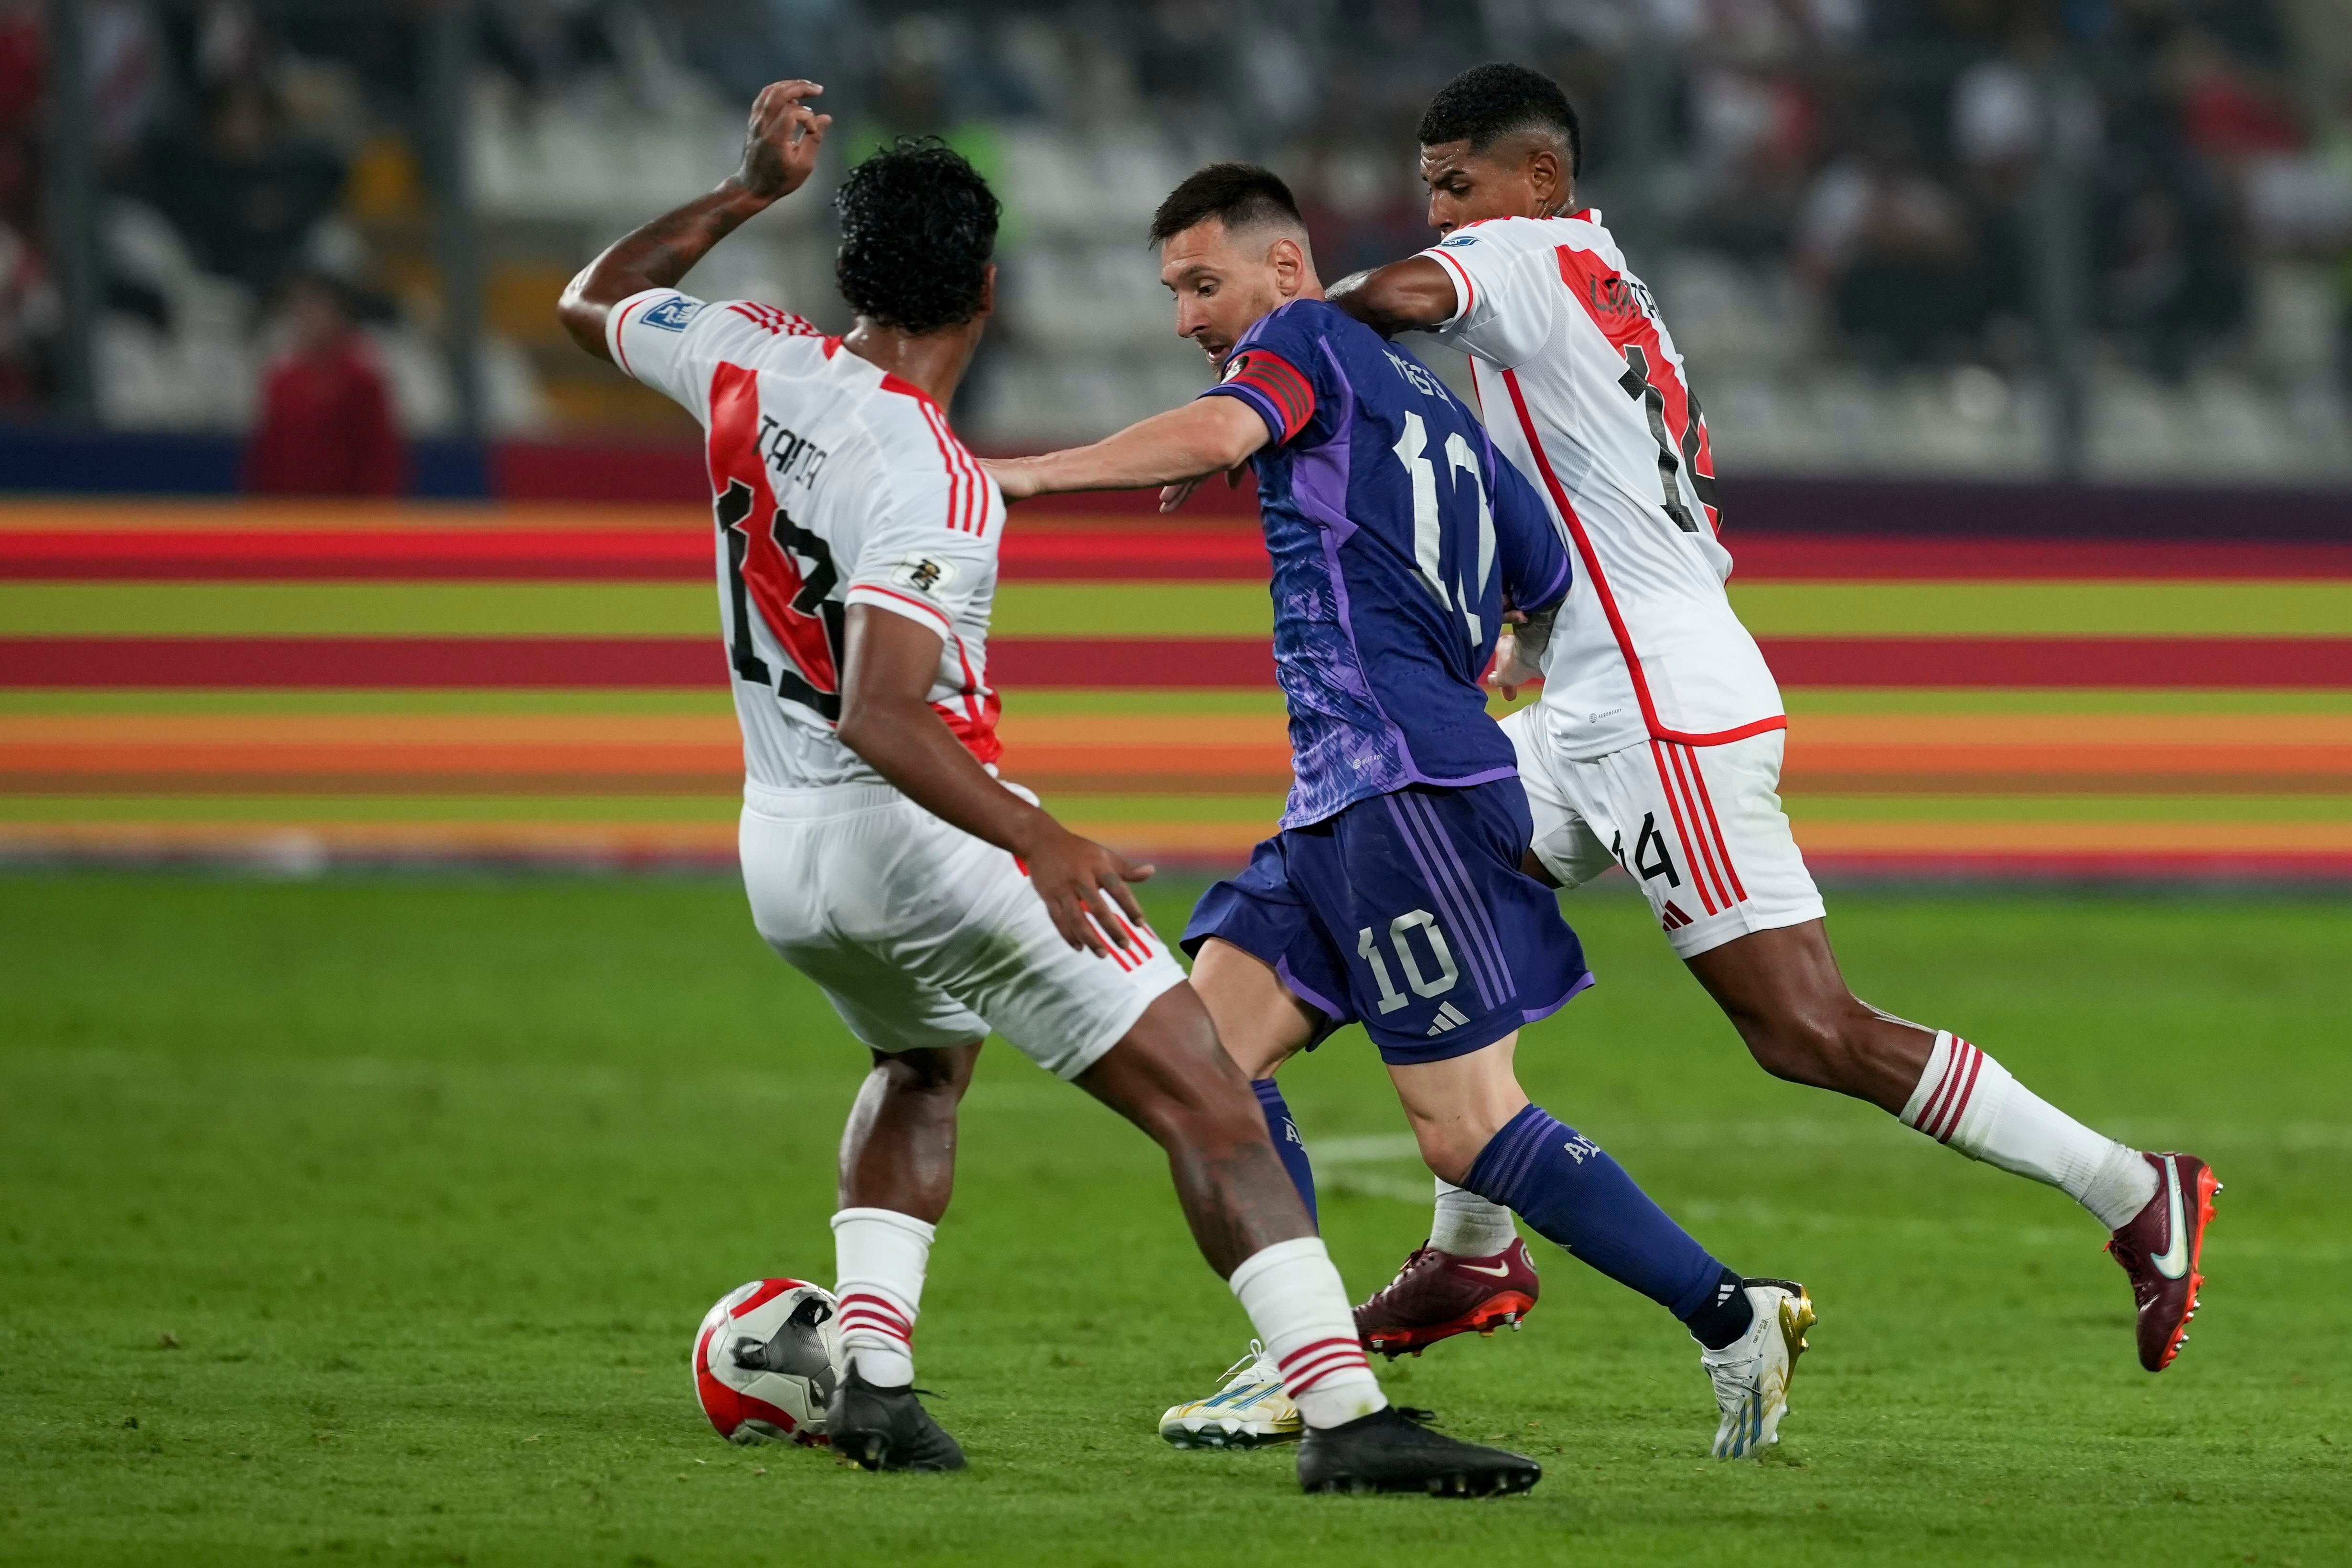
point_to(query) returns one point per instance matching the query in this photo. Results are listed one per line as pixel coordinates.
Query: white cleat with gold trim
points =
(1752, 1374)
(1253, 1409)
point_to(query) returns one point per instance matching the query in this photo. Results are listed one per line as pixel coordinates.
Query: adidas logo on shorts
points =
(1449, 1017)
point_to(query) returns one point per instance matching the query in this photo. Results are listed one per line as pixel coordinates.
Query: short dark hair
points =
(1488, 102)
(1238, 194)
(917, 226)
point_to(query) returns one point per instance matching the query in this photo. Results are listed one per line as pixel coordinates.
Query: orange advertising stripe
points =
(1847, 750)
(1237, 748)
(712, 842)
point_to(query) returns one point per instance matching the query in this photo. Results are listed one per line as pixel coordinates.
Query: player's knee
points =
(1449, 1157)
(1803, 1048)
(942, 1074)
(1822, 1047)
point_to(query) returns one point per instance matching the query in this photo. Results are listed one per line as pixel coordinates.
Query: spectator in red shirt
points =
(325, 417)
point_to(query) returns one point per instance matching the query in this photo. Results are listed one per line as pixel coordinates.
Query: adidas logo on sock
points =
(1448, 1017)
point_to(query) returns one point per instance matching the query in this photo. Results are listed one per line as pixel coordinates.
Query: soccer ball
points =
(765, 1361)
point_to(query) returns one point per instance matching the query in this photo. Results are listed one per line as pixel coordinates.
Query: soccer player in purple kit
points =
(1394, 894)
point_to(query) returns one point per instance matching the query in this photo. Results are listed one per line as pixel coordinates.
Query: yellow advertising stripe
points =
(358, 609)
(1135, 609)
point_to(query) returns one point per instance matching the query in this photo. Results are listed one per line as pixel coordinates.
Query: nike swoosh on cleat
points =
(2174, 1261)
(1499, 1270)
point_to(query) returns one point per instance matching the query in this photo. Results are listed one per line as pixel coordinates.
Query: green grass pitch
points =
(367, 1221)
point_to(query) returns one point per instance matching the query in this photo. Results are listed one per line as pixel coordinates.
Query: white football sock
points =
(1295, 1300)
(879, 1256)
(1969, 1100)
(1467, 1225)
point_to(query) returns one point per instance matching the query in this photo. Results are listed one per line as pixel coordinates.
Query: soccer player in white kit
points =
(857, 550)
(1656, 745)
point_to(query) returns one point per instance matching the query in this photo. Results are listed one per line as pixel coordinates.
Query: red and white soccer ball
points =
(765, 1361)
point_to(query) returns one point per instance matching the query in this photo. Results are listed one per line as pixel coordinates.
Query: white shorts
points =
(1699, 827)
(922, 935)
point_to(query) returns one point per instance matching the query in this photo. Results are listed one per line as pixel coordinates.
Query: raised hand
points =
(781, 146)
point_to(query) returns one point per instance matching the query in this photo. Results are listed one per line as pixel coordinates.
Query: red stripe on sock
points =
(1297, 1386)
(1960, 1103)
(1943, 1088)
(1315, 1367)
(1306, 1352)
(1956, 1073)
(864, 1311)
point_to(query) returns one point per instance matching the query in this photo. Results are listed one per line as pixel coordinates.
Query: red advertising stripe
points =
(1032, 552)
(538, 662)
(1033, 662)
(362, 662)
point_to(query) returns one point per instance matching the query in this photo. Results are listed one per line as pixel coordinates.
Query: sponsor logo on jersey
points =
(923, 574)
(673, 313)
(1455, 242)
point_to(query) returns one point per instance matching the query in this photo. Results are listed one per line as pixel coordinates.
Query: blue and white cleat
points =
(1752, 1374)
(1251, 1410)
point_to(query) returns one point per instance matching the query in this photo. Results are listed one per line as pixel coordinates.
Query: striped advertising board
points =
(308, 682)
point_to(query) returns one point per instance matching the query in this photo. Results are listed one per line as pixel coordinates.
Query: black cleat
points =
(1392, 1450)
(886, 1429)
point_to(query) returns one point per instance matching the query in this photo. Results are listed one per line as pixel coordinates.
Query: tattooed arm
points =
(779, 153)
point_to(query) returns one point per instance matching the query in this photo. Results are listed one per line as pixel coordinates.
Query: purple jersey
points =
(1397, 537)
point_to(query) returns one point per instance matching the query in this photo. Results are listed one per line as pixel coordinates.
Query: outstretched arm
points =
(1204, 437)
(779, 153)
(1404, 296)
(889, 663)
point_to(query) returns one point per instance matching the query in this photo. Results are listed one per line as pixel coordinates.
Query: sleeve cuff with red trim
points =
(922, 611)
(1465, 292)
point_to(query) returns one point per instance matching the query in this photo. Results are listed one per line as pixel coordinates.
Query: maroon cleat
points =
(2161, 1249)
(1437, 1294)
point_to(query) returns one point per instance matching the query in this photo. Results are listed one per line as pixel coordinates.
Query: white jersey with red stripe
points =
(1582, 389)
(832, 484)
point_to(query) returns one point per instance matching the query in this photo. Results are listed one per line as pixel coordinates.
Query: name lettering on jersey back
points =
(1618, 295)
(793, 459)
(1417, 375)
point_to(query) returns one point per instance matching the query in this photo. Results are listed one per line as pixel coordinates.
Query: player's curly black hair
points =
(917, 226)
(1488, 102)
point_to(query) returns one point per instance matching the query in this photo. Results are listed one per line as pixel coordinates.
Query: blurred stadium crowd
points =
(1897, 237)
